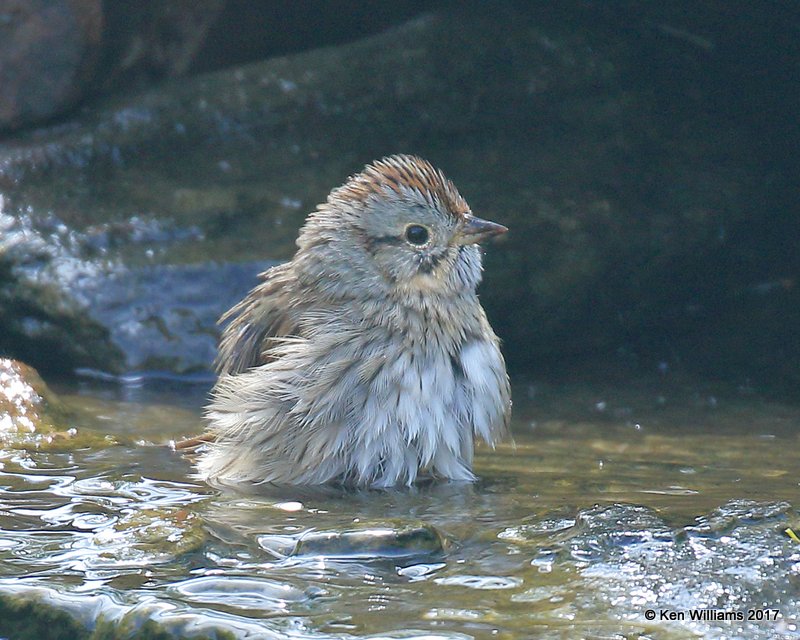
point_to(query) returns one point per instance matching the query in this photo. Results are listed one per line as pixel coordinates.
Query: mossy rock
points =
(33, 417)
(24, 618)
(34, 614)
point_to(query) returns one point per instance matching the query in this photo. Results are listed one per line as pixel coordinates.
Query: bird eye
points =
(417, 234)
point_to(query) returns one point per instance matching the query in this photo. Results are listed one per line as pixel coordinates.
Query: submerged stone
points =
(372, 543)
(737, 513)
(154, 534)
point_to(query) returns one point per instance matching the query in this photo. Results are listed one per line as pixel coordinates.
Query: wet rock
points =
(27, 616)
(53, 54)
(30, 611)
(735, 560)
(42, 319)
(617, 527)
(737, 513)
(27, 406)
(48, 55)
(32, 416)
(68, 301)
(535, 118)
(164, 317)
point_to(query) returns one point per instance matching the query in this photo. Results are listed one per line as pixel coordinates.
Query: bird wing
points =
(266, 312)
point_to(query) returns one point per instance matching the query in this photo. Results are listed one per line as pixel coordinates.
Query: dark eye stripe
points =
(373, 242)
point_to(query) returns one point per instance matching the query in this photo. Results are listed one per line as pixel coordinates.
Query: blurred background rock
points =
(156, 155)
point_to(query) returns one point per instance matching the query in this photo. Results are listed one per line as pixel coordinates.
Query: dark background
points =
(730, 310)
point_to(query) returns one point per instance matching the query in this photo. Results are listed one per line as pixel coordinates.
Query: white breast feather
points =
(417, 415)
(484, 370)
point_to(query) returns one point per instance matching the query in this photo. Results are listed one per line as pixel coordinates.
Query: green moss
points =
(150, 630)
(25, 619)
(130, 629)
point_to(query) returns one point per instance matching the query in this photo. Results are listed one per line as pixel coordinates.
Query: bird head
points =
(402, 224)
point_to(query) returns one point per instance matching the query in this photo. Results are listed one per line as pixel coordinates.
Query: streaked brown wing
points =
(265, 313)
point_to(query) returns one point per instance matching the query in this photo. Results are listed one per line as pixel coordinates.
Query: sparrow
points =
(367, 360)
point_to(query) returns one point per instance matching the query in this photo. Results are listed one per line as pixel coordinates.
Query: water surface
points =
(611, 501)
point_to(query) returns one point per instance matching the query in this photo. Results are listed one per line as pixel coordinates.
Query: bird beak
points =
(474, 230)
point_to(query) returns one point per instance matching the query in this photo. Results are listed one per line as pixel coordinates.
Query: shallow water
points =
(612, 500)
